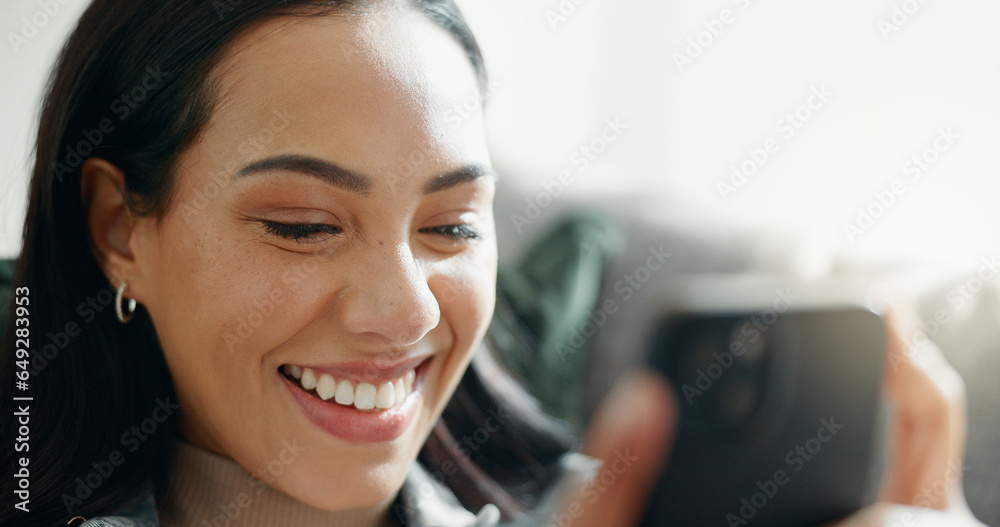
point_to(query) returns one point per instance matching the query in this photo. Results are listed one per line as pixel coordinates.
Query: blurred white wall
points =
(897, 71)
(33, 31)
(563, 68)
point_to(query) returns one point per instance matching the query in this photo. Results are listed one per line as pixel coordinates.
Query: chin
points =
(357, 487)
(334, 474)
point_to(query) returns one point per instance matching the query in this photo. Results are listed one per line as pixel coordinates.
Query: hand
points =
(922, 487)
(632, 432)
(927, 437)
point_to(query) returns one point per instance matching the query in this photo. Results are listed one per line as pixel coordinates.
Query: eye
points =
(301, 232)
(462, 231)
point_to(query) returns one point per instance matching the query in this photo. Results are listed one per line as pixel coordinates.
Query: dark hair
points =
(132, 85)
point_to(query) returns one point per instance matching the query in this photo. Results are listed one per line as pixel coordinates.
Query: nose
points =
(390, 297)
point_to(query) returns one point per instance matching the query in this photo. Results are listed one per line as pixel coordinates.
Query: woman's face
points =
(335, 215)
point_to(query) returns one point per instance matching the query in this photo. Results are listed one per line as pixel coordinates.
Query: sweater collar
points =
(205, 489)
(421, 502)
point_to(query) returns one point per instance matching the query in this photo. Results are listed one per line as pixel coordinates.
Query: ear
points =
(110, 223)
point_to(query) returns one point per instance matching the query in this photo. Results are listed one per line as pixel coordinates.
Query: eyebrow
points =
(356, 181)
(457, 177)
(311, 166)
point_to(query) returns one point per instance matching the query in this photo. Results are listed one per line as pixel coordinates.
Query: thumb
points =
(631, 433)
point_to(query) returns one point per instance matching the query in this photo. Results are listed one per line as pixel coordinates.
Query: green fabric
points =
(553, 291)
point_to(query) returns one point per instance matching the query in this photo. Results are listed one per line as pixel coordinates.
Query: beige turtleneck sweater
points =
(208, 490)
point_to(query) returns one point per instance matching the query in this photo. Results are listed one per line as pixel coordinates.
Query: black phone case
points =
(781, 418)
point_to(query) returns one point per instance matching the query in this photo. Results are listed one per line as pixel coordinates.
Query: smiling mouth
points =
(351, 393)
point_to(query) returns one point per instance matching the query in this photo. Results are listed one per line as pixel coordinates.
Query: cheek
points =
(466, 292)
(219, 304)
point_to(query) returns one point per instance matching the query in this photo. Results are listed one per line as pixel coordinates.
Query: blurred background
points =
(702, 91)
(790, 136)
(703, 86)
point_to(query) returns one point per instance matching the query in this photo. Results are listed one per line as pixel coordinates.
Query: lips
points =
(367, 403)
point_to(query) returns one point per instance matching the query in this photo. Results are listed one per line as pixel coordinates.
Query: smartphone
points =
(781, 420)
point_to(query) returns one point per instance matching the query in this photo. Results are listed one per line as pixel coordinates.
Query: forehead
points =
(367, 90)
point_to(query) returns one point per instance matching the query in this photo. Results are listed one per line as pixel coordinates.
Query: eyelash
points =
(301, 231)
(462, 231)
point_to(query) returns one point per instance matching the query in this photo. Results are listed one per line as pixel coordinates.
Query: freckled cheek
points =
(217, 304)
(467, 299)
(274, 303)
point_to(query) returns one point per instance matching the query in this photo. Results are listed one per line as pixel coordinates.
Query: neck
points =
(204, 489)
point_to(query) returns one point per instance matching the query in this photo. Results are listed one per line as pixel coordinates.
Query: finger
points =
(927, 439)
(631, 432)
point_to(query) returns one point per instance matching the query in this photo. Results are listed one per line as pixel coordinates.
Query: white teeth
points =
(308, 379)
(408, 380)
(400, 390)
(326, 386)
(386, 396)
(364, 396)
(345, 393)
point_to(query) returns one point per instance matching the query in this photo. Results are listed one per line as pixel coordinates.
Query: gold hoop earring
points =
(124, 316)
